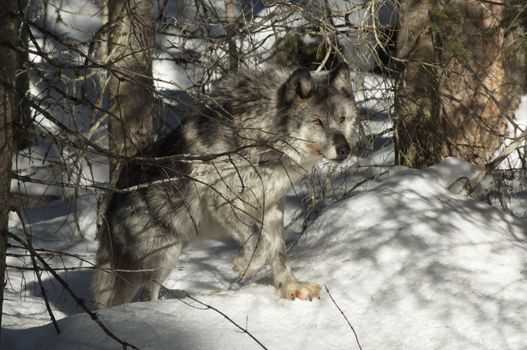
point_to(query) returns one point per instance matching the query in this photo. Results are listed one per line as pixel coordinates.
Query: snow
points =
(411, 266)
(75, 20)
(517, 158)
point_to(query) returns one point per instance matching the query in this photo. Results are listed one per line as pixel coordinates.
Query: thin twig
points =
(465, 186)
(210, 307)
(37, 271)
(344, 315)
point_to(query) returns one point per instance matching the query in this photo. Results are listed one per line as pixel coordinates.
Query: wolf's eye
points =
(342, 119)
(317, 122)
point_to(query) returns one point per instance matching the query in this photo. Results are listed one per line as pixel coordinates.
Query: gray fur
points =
(276, 124)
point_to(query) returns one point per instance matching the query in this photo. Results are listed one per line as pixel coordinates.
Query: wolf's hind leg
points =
(115, 283)
(126, 287)
(159, 263)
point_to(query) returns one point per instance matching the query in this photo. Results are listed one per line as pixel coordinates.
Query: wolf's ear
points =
(300, 84)
(340, 80)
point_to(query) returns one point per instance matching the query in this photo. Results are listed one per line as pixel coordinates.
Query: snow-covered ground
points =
(404, 262)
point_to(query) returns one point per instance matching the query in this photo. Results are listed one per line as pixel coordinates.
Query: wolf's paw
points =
(299, 290)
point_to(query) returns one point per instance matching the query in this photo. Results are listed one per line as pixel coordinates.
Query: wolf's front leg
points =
(287, 285)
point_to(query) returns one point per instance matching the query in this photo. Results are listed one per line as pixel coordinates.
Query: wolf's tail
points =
(111, 285)
(103, 285)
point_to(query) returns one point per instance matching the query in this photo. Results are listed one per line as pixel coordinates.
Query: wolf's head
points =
(320, 113)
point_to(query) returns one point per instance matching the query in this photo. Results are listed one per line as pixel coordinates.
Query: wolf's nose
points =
(344, 150)
(342, 146)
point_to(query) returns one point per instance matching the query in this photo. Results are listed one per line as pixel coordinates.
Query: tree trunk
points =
(130, 85)
(463, 74)
(22, 117)
(232, 52)
(8, 35)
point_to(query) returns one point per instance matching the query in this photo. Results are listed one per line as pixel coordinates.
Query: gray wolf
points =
(260, 132)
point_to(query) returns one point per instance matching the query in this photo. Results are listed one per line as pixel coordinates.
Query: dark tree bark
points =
(463, 74)
(22, 121)
(8, 59)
